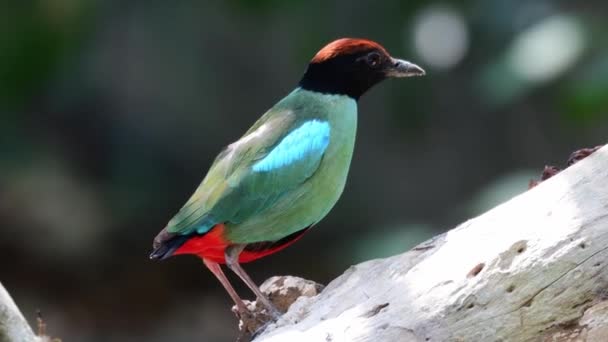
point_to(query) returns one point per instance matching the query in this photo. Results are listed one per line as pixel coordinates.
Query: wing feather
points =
(277, 154)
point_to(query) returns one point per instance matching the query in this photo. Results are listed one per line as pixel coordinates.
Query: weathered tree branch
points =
(531, 269)
(13, 327)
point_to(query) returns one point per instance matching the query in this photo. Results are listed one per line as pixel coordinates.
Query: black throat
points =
(340, 76)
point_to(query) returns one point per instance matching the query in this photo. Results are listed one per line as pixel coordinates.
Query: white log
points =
(13, 327)
(531, 269)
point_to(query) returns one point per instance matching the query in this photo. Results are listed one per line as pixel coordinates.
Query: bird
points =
(284, 175)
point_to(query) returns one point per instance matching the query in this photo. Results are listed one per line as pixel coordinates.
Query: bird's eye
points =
(373, 59)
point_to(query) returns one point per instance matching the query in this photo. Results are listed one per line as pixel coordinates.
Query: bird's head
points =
(350, 66)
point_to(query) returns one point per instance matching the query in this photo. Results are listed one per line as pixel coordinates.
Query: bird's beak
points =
(401, 68)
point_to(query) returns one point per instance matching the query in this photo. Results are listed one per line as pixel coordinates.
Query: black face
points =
(348, 74)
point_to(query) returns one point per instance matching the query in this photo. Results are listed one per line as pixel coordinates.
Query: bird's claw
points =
(255, 317)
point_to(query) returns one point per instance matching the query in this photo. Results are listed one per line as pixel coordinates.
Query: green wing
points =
(279, 153)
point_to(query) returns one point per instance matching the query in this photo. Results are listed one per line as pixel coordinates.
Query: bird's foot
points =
(254, 319)
(268, 308)
(280, 293)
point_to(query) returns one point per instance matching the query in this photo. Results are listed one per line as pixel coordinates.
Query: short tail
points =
(165, 244)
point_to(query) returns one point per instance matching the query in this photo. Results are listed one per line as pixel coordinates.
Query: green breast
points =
(311, 201)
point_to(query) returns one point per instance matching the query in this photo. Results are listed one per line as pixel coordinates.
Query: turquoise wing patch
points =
(311, 138)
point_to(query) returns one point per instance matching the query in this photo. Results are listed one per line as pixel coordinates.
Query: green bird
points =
(286, 172)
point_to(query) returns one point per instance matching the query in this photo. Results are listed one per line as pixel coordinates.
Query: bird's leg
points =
(216, 269)
(232, 260)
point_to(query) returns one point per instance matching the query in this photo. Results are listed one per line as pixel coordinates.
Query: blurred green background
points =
(111, 112)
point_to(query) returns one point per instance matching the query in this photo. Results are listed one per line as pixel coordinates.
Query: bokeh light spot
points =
(441, 36)
(547, 49)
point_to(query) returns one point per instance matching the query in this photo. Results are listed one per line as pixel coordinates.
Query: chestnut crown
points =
(350, 66)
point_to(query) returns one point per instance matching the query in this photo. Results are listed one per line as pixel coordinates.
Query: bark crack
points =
(529, 301)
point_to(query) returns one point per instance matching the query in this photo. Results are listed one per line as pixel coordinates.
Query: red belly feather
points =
(212, 246)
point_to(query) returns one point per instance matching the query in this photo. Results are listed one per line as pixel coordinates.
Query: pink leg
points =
(232, 260)
(216, 269)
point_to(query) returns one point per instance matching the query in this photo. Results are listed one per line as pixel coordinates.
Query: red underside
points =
(213, 244)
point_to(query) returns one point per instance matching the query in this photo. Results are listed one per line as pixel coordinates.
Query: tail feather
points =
(165, 244)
